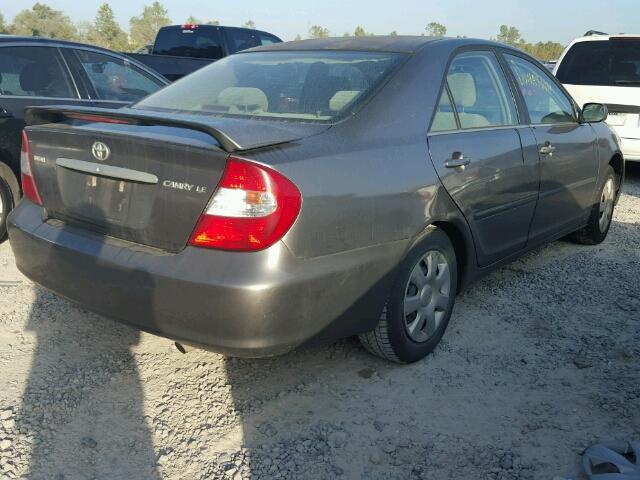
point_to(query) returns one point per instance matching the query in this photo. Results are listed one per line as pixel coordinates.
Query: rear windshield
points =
(198, 42)
(305, 86)
(606, 63)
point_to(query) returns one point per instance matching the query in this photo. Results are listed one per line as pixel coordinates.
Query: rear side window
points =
(115, 78)
(303, 86)
(480, 91)
(240, 39)
(196, 41)
(546, 103)
(613, 62)
(445, 118)
(34, 72)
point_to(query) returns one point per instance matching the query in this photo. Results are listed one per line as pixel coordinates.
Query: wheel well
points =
(617, 163)
(459, 246)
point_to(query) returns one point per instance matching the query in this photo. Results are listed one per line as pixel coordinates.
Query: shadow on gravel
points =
(82, 407)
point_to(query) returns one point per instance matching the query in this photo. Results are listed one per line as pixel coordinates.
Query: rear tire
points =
(6, 205)
(601, 214)
(420, 303)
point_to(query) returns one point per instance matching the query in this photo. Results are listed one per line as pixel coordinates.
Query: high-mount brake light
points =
(29, 188)
(252, 208)
(96, 118)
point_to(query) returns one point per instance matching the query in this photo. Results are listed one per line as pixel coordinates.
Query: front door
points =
(476, 148)
(567, 150)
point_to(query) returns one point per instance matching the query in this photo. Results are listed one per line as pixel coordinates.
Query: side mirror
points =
(594, 113)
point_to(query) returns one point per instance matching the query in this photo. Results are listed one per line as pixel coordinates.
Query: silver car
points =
(306, 191)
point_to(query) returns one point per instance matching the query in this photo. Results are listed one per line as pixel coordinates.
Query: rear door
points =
(567, 150)
(476, 148)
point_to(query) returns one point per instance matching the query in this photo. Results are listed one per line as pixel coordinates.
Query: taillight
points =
(29, 188)
(252, 208)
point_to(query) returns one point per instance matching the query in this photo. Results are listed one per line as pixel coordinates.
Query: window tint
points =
(34, 72)
(480, 91)
(300, 86)
(545, 101)
(444, 118)
(115, 78)
(240, 39)
(606, 62)
(199, 42)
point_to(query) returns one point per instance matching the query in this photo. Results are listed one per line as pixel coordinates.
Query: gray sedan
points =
(306, 191)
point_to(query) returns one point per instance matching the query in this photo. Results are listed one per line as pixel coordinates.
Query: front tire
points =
(6, 205)
(601, 214)
(420, 303)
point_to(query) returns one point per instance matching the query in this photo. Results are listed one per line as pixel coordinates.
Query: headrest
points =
(341, 99)
(34, 78)
(245, 99)
(463, 89)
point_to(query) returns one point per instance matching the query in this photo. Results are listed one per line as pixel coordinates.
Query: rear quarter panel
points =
(368, 180)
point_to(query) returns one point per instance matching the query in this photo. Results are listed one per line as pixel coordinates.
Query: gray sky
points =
(557, 20)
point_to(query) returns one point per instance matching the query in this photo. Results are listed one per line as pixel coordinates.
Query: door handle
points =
(457, 160)
(547, 149)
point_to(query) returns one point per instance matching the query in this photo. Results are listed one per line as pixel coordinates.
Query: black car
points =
(41, 71)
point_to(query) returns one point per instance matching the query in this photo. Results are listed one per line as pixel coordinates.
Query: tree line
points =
(104, 30)
(544, 51)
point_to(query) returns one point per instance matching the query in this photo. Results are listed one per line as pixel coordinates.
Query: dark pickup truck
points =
(182, 49)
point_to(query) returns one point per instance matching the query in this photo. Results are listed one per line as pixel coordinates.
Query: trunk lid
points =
(146, 182)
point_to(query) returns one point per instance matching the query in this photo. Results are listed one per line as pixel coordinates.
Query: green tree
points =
(4, 28)
(213, 22)
(316, 31)
(249, 24)
(106, 32)
(393, 34)
(509, 35)
(44, 21)
(193, 20)
(298, 38)
(360, 32)
(435, 29)
(145, 26)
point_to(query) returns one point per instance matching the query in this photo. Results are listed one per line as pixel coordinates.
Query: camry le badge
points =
(100, 151)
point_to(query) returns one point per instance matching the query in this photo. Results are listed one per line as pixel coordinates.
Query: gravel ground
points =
(540, 360)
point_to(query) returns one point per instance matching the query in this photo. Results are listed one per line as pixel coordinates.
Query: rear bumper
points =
(245, 304)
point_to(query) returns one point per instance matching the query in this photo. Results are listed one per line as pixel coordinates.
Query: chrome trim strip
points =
(107, 171)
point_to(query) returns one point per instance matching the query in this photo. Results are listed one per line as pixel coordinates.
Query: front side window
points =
(302, 86)
(268, 39)
(34, 72)
(115, 78)
(614, 62)
(546, 103)
(480, 91)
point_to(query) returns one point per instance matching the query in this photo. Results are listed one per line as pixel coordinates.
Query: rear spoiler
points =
(231, 134)
(58, 114)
